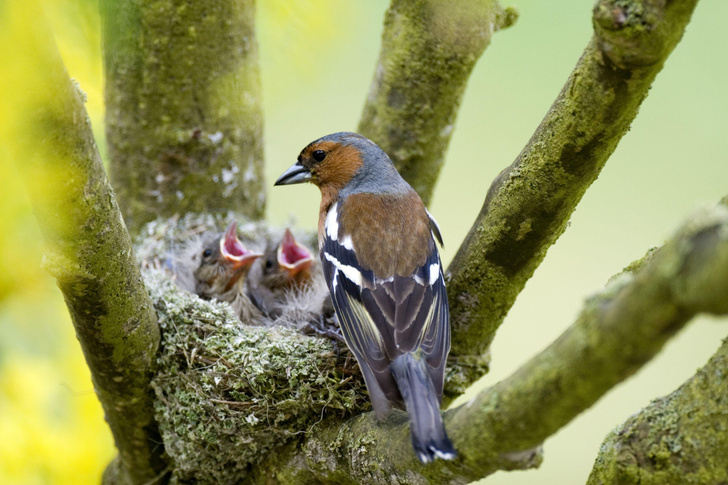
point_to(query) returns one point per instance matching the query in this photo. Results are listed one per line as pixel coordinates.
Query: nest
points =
(228, 393)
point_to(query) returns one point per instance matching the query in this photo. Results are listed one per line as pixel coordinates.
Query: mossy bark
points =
(90, 255)
(529, 204)
(183, 107)
(429, 49)
(503, 427)
(680, 438)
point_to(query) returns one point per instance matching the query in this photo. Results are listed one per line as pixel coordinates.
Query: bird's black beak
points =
(297, 174)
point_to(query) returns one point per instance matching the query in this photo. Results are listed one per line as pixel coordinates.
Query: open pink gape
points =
(233, 250)
(293, 256)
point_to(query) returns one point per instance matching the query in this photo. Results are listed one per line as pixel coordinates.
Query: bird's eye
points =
(319, 155)
(207, 253)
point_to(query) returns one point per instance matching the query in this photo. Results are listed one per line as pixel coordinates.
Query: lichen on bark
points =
(429, 49)
(183, 107)
(89, 252)
(679, 438)
(543, 186)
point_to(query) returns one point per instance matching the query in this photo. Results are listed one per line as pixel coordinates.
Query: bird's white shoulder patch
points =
(350, 272)
(347, 242)
(434, 273)
(331, 224)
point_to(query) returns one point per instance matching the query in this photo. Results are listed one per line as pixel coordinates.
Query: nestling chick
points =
(383, 271)
(222, 263)
(287, 285)
(281, 268)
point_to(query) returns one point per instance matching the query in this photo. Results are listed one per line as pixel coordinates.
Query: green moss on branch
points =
(618, 331)
(90, 254)
(429, 49)
(543, 186)
(680, 438)
(183, 107)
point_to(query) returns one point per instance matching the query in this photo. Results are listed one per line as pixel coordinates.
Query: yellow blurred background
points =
(318, 58)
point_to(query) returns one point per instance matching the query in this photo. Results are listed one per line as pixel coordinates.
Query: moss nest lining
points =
(228, 393)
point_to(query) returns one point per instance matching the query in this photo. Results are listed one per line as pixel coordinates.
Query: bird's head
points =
(285, 265)
(344, 160)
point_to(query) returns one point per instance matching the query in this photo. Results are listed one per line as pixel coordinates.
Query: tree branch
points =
(89, 251)
(429, 49)
(529, 204)
(679, 438)
(619, 330)
(183, 107)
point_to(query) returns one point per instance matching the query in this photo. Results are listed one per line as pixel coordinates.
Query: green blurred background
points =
(318, 58)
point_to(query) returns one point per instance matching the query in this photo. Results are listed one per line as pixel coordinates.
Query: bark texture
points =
(90, 254)
(529, 204)
(502, 428)
(429, 49)
(680, 438)
(183, 107)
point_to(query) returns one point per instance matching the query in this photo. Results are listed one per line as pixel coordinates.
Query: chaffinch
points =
(221, 263)
(381, 264)
(288, 286)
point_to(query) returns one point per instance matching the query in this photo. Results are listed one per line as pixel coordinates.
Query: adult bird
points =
(380, 261)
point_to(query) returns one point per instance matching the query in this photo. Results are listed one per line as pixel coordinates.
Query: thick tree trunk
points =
(183, 107)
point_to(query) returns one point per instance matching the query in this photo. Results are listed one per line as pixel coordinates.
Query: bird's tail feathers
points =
(429, 438)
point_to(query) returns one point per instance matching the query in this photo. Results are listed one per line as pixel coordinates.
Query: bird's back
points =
(399, 305)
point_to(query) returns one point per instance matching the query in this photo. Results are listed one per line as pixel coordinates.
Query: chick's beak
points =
(297, 174)
(293, 256)
(233, 251)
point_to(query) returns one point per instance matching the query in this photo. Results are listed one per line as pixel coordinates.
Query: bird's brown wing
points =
(382, 319)
(415, 311)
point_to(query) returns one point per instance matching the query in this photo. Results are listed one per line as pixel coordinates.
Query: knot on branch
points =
(700, 284)
(633, 33)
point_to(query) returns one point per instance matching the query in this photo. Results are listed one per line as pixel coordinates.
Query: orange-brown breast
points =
(332, 174)
(390, 233)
